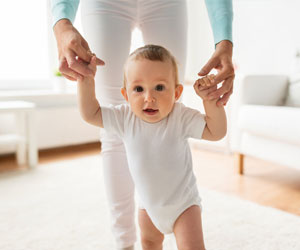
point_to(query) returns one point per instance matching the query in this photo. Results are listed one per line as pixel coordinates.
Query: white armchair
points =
(267, 124)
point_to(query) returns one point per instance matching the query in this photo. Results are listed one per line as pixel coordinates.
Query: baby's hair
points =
(153, 53)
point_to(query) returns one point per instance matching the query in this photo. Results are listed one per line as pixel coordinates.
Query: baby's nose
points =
(149, 97)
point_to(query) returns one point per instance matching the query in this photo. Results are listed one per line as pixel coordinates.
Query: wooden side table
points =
(25, 136)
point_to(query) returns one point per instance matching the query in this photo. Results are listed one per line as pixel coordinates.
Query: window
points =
(24, 44)
(28, 48)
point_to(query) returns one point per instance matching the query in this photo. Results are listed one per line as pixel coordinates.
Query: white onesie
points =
(159, 159)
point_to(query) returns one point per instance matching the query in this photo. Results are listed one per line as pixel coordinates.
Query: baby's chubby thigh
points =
(151, 237)
(188, 229)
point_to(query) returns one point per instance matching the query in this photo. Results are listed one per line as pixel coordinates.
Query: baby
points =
(155, 130)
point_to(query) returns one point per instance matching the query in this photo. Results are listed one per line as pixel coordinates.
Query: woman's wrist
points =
(62, 24)
(226, 44)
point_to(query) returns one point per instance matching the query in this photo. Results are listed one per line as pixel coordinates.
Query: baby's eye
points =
(138, 89)
(160, 87)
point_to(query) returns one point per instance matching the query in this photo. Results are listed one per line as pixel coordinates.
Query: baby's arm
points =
(89, 107)
(216, 124)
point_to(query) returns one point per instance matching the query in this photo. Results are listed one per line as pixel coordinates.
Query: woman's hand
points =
(71, 47)
(222, 61)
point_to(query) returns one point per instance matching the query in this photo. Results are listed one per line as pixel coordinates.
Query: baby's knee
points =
(153, 242)
(191, 247)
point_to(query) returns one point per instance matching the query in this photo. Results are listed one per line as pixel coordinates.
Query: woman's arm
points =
(220, 15)
(64, 9)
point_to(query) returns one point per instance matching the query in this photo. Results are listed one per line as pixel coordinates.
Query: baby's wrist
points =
(209, 102)
(86, 80)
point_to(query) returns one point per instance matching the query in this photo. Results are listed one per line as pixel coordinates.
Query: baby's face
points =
(150, 89)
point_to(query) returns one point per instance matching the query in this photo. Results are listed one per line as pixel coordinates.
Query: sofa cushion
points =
(274, 122)
(293, 96)
(264, 89)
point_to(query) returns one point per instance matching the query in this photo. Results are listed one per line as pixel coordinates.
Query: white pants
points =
(107, 26)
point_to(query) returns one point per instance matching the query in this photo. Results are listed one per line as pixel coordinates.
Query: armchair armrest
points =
(256, 90)
(264, 89)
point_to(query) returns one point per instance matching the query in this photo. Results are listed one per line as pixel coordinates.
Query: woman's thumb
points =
(207, 67)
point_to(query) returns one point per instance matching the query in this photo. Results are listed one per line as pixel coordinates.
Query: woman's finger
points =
(211, 64)
(223, 101)
(85, 50)
(68, 72)
(226, 87)
(81, 49)
(225, 72)
(77, 65)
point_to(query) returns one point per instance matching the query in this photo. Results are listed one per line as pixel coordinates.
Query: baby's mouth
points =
(150, 111)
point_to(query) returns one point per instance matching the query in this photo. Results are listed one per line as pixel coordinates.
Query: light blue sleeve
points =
(220, 15)
(64, 9)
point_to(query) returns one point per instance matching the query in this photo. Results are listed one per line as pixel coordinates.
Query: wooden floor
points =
(263, 182)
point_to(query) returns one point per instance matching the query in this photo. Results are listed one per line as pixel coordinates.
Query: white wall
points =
(266, 36)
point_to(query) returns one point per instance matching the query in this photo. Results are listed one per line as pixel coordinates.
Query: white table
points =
(25, 136)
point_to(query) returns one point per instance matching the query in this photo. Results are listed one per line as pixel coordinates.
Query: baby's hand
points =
(92, 65)
(203, 87)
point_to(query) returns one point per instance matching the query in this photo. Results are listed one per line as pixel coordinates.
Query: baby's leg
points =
(188, 230)
(151, 237)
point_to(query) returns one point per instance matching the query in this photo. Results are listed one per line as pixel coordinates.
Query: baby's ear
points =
(124, 93)
(178, 91)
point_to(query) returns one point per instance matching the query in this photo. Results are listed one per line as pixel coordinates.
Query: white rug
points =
(62, 206)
